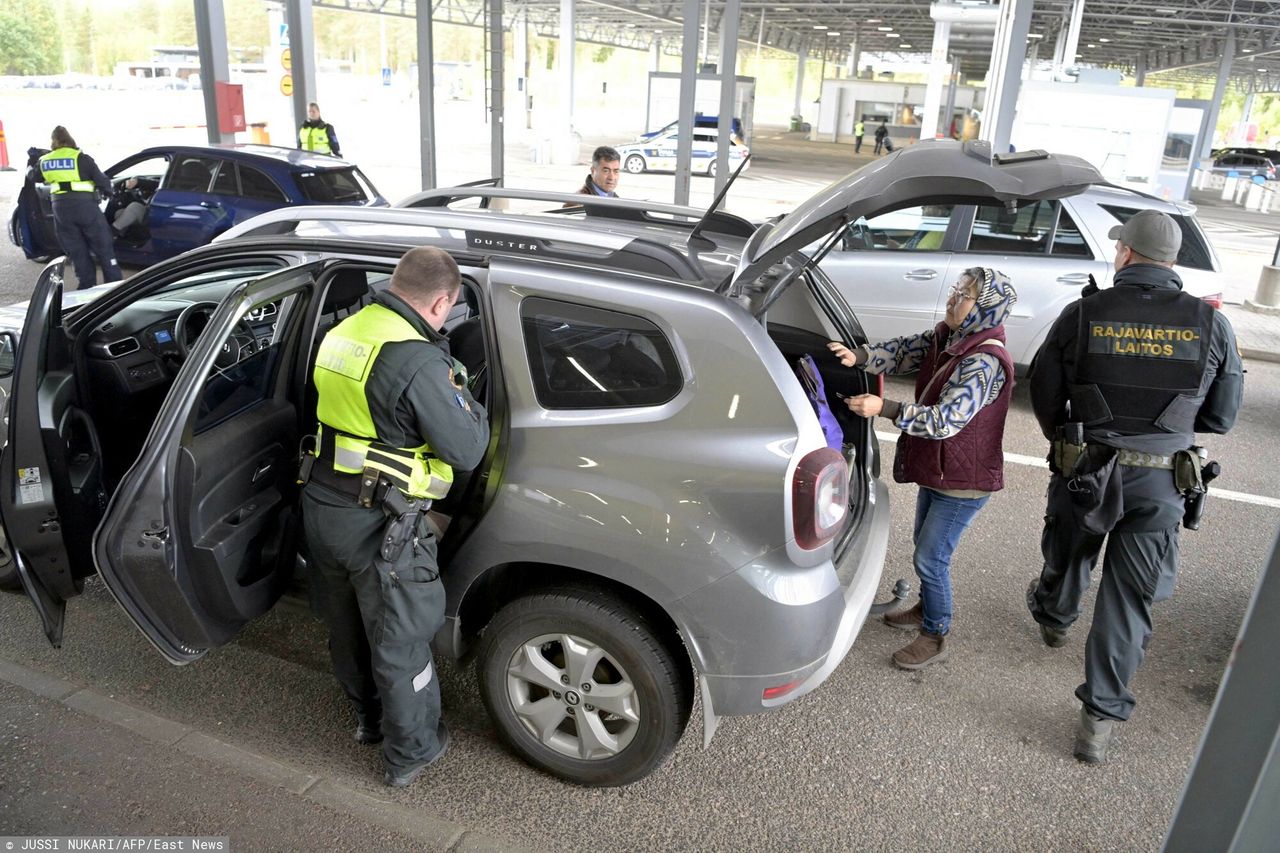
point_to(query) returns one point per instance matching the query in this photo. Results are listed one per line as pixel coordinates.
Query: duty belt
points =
(1144, 460)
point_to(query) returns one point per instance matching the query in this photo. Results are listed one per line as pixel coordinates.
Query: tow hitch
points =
(900, 591)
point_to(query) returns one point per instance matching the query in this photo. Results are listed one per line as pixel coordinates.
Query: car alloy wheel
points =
(583, 686)
(635, 164)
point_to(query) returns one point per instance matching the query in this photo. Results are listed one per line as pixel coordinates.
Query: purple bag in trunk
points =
(811, 379)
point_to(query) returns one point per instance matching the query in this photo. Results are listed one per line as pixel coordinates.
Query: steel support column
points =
(497, 138)
(939, 66)
(302, 50)
(211, 41)
(1072, 46)
(1219, 90)
(1005, 74)
(688, 82)
(426, 94)
(728, 87)
(802, 56)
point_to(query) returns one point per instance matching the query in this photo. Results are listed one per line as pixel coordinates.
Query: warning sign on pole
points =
(286, 85)
(286, 59)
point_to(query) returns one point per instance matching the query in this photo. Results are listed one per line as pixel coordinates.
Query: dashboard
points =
(138, 349)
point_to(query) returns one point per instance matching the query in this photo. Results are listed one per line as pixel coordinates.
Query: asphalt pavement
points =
(254, 741)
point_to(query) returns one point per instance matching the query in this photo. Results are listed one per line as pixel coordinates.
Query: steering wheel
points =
(191, 324)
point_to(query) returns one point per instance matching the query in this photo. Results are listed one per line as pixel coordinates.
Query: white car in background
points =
(659, 153)
(895, 269)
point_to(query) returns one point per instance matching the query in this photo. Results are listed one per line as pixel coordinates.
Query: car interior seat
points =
(191, 176)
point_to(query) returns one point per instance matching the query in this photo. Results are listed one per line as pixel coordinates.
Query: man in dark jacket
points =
(395, 419)
(951, 436)
(1137, 369)
(882, 135)
(606, 168)
(318, 135)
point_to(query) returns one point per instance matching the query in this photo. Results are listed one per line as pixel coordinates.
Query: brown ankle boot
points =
(925, 650)
(906, 620)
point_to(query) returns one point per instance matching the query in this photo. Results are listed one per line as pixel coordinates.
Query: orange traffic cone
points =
(4, 152)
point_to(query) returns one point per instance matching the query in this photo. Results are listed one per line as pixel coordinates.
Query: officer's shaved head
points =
(425, 273)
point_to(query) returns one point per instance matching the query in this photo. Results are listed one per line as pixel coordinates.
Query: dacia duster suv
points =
(658, 511)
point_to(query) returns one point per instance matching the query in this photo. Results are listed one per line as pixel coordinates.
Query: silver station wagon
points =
(659, 511)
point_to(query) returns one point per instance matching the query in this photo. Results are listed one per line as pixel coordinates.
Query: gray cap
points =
(1151, 234)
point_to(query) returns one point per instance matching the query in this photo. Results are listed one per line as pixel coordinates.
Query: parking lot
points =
(974, 754)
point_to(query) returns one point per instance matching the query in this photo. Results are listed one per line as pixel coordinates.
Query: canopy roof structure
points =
(1186, 37)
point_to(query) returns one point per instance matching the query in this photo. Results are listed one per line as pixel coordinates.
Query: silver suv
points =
(894, 269)
(658, 512)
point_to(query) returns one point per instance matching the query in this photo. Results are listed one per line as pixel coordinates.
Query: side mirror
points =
(8, 351)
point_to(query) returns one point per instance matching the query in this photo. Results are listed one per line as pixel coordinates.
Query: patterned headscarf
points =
(995, 300)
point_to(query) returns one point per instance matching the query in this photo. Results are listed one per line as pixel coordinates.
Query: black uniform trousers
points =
(84, 234)
(381, 619)
(1139, 568)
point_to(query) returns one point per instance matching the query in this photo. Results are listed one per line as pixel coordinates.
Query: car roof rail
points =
(619, 209)
(486, 232)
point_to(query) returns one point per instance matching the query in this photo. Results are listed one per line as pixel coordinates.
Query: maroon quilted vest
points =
(972, 458)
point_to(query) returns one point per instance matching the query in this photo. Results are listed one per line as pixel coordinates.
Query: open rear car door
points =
(200, 537)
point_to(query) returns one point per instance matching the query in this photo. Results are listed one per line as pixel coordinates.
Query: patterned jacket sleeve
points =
(898, 355)
(976, 381)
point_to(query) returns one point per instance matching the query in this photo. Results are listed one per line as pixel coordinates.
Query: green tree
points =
(20, 48)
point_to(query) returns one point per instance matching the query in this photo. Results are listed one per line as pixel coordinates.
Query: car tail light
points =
(819, 497)
(1214, 299)
(781, 689)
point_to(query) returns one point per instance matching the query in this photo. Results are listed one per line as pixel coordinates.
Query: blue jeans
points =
(940, 520)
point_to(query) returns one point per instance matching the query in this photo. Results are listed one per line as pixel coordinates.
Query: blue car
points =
(192, 193)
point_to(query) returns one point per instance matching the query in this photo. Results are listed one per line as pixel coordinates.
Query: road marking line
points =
(1037, 462)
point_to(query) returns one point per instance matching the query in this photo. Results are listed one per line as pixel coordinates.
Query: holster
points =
(1092, 493)
(402, 519)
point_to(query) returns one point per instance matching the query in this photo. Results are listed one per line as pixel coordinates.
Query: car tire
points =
(524, 665)
(711, 168)
(635, 164)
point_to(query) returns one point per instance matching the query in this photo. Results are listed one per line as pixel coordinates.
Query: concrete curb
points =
(433, 833)
(1260, 355)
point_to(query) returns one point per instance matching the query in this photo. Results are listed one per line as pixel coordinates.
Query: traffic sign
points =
(286, 85)
(286, 59)
(282, 35)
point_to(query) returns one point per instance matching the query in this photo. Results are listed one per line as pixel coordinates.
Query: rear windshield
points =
(333, 186)
(1195, 252)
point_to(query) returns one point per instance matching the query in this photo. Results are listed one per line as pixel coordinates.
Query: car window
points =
(1067, 239)
(912, 229)
(245, 371)
(255, 184)
(593, 358)
(151, 169)
(331, 186)
(1024, 231)
(224, 183)
(191, 173)
(1195, 252)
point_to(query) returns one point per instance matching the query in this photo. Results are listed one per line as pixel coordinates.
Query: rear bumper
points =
(803, 622)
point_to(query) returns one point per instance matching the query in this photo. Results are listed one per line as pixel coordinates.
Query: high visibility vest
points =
(858, 129)
(61, 170)
(314, 139)
(343, 366)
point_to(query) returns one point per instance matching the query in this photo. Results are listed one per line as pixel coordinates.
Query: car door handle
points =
(263, 470)
(1074, 278)
(921, 275)
(211, 205)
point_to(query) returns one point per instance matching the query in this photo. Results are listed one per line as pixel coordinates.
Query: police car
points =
(659, 153)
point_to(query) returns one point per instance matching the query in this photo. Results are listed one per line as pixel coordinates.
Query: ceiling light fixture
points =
(833, 34)
(820, 26)
(892, 36)
(1104, 41)
(873, 20)
(885, 29)
(904, 45)
(1035, 35)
